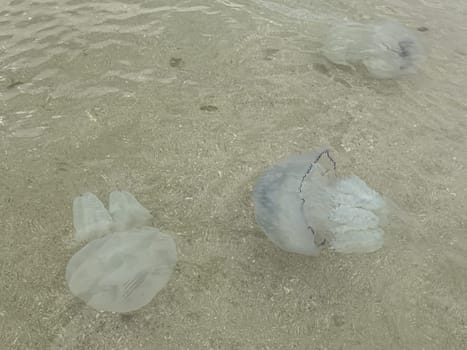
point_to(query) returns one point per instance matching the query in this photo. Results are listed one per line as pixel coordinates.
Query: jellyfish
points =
(127, 212)
(90, 218)
(279, 209)
(302, 206)
(127, 262)
(123, 271)
(387, 49)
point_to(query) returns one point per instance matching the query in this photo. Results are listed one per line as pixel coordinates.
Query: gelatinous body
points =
(300, 203)
(387, 49)
(127, 212)
(279, 207)
(90, 218)
(122, 271)
(126, 262)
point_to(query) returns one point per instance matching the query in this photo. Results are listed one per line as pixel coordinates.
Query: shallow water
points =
(184, 106)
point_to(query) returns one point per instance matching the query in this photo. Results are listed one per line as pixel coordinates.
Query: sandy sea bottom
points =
(184, 104)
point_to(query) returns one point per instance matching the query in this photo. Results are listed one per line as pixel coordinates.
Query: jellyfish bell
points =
(279, 207)
(393, 51)
(387, 48)
(123, 271)
(300, 204)
(279, 200)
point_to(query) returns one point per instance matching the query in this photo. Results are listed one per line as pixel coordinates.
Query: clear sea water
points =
(184, 104)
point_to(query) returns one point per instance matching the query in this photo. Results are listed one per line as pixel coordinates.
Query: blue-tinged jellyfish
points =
(302, 206)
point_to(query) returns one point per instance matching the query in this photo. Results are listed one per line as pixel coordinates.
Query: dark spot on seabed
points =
(15, 84)
(176, 62)
(422, 29)
(338, 320)
(208, 108)
(269, 53)
(405, 48)
(126, 317)
(342, 81)
(321, 68)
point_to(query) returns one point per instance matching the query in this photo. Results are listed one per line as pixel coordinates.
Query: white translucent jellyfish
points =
(90, 218)
(301, 206)
(127, 212)
(387, 49)
(123, 271)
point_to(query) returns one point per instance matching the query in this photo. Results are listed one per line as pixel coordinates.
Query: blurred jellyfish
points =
(387, 49)
(126, 263)
(127, 212)
(90, 218)
(301, 206)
